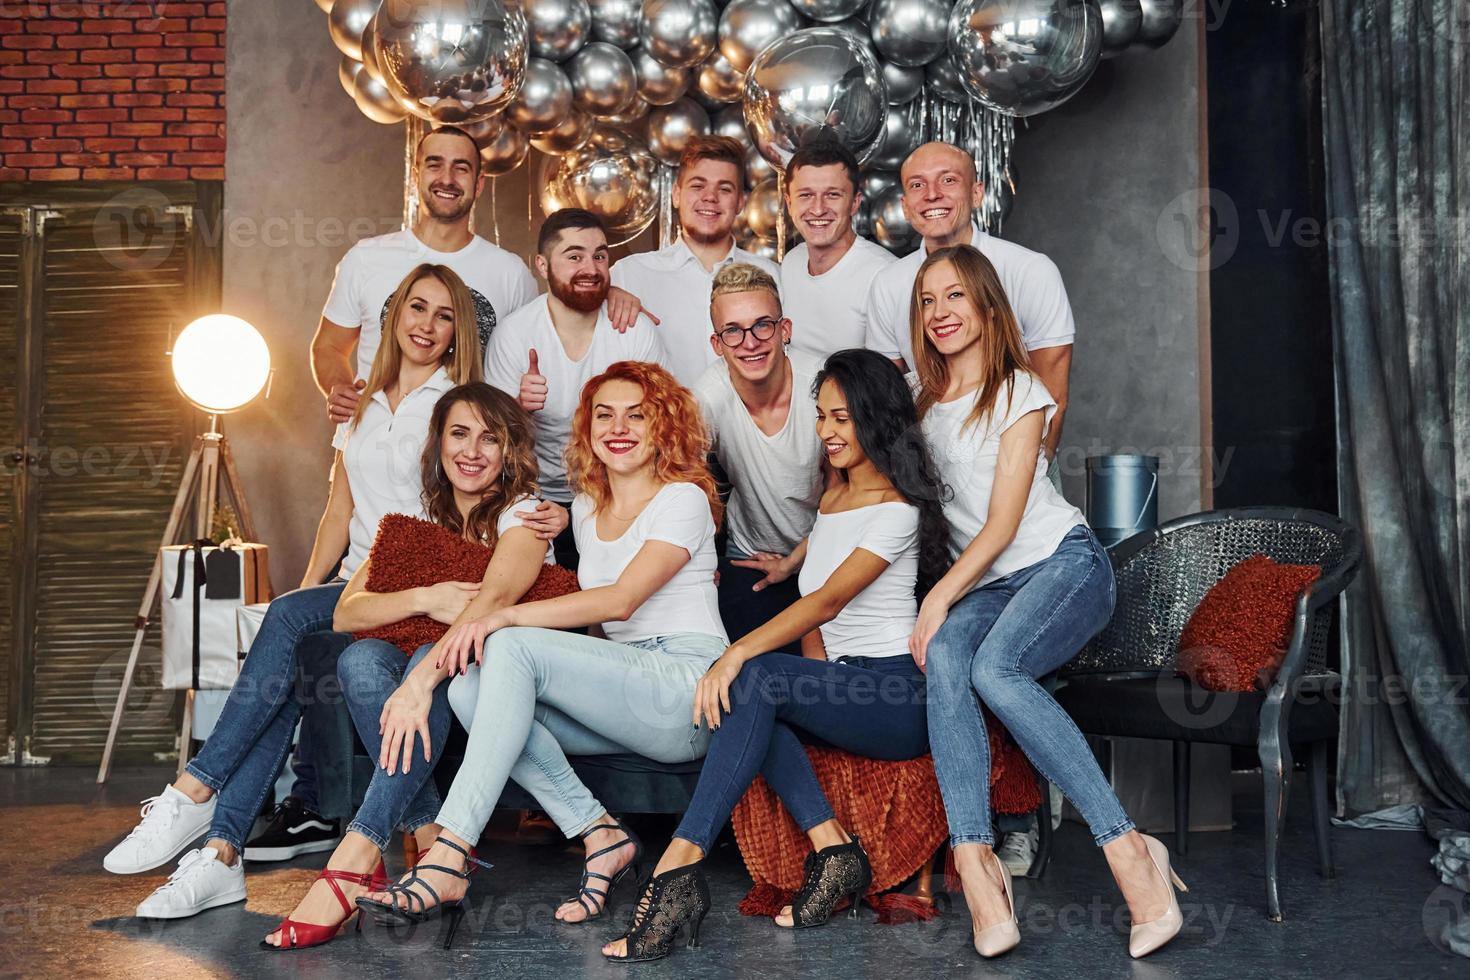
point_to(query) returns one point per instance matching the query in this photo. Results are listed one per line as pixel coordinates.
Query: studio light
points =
(220, 363)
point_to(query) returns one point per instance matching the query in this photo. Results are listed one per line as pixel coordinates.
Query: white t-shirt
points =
(674, 286)
(508, 356)
(830, 312)
(877, 621)
(967, 462)
(777, 479)
(1031, 281)
(372, 269)
(381, 454)
(678, 514)
(508, 520)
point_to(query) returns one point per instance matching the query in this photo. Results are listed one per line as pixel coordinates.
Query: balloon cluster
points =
(612, 91)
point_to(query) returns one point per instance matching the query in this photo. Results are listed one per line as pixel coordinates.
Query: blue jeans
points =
(991, 649)
(370, 671)
(872, 707)
(742, 610)
(542, 695)
(241, 759)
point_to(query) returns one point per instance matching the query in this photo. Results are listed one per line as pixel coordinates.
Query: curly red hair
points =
(674, 423)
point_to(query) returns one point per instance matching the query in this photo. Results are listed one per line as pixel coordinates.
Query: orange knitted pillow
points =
(409, 553)
(1237, 635)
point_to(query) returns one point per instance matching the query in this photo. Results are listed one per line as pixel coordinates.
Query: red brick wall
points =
(112, 90)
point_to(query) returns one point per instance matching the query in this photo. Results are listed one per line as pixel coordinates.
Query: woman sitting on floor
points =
(1030, 585)
(644, 521)
(375, 473)
(855, 615)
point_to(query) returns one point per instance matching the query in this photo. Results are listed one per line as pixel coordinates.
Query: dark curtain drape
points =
(1396, 93)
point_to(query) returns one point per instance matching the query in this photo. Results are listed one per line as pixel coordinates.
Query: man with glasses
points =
(758, 404)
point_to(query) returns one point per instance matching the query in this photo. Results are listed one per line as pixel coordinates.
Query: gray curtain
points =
(1396, 99)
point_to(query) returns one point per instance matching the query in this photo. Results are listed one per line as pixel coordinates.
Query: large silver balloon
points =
(942, 78)
(855, 26)
(603, 79)
(678, 33)
(345, 22)
(818, 80)
(764, 210)
(904, 84)
(635, 113)
(719, 82)
(909, 32)
(616, 21)
(347, 70)
(875, 182)
(569, 134)
(891, 228)
(504, 153)
(558, 28)
(452, 61)
(484, 131)
(1121, 20)
(747, 26)
(1021, 57)
(1160, 20)
(730, 121)
(611, 175)
(370, 48)
(375, 100)
(657, 83)
(903, 131)
(671, 127)
(828, 11)
(544, 100)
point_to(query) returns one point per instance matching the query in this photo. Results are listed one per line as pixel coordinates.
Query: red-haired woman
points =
(644, 520)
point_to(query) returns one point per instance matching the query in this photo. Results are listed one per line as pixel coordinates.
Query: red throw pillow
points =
(1238, 634)
(409, 553)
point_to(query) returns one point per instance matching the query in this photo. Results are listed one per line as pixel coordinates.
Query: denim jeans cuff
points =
(956, 840)
(215, 833)
(413, 823)
(463, 833)
(204, 777)
(356, 828)
(1125, 827)
(820, 817)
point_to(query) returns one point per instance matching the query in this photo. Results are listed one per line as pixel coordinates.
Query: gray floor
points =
(62, 915)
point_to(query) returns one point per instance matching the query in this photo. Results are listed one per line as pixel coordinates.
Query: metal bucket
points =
(1122, 495)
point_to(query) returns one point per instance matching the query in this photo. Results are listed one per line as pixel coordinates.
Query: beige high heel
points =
(1146, 937)
(1003, 936)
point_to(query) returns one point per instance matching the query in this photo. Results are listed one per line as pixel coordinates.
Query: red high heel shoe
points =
(303, 935)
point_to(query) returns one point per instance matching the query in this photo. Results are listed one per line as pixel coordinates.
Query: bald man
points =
(940, 195)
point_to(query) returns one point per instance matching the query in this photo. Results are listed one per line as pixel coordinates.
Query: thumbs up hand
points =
(533, 386)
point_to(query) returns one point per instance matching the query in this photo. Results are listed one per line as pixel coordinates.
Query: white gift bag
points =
(203, 586)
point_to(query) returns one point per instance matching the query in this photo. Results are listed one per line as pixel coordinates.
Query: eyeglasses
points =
(764, 329)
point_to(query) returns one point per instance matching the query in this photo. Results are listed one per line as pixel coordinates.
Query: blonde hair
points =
(742, 277)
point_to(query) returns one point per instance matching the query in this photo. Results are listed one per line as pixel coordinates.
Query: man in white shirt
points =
(825, 280)
(940, 194)
(546, 351)
(758, 404)
(674, 282)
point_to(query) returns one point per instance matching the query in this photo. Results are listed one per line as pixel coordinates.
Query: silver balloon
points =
(1121, 20)
(671, 127)
(569, 134)
(613, 176)
(544, 100)
(904, 84)
(818, 80)
(504, 153)
(347, 70)
(325, 6)
(764, 210)
(370, 48)
(616, 21)
(747, 26)
(558, 28)
(678, 33)
(862, 221)
(1021, 57)
(765, 248)
(657, 83)
(1160, 20)
(855, 26)
(635, 113)
(903, 131)
(484, 131)
(719, 82)
(942, 78)
(909, 32)
(890, 228)
(452, 61)
(730, 121)
(375, 100)
(828, 11)
(757, 167)
(603, 79)
(875, 182)
(345, 22)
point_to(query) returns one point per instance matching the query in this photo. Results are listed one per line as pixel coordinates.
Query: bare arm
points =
(1053, 365)
(333, 366)
(332, 529)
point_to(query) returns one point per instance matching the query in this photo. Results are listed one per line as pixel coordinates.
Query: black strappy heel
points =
(407, 912)
(594, 900)
(831, 874)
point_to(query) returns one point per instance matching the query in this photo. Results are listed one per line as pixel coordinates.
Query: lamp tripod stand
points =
(199, 489)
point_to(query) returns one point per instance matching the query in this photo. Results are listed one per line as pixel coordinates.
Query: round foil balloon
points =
(452, 61)
(764, 210)
(942, 78)
(757, 167)
(504, 153)
(345, 22)
(815, 81)
(671, 127)
(544, 100)
(558, 28)
(1120, 22)
(678, 33)
(747, 26)
(616, 21)
(904, 84)
(347, 70)
(635, 113)
(613, 176)
(765, 248)
(719, 82)
(375, 101)
(603, 79)
(828, 11)
(875, 182)
(902, 133)
(1021, 57)
(909, 32)
(855, 26)
(1160, 20)
(569, 134)
(484, 131)
(657, 83)
(891, 228)
(730, 121)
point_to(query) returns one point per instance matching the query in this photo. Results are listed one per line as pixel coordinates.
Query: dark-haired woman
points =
(1029, 586)
(874, 531)
(478, 470)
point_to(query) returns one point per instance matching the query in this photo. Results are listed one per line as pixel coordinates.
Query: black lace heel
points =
(414, 908)
(594, 900)
(833, 873)
(668, 902)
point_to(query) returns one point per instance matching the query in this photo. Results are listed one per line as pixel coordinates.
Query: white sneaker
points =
(201, 882)
(171, 822)
(1017, 851)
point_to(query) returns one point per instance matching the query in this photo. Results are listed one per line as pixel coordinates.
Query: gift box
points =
(204, 585)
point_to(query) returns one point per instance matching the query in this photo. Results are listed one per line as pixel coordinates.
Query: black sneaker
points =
(293, 831)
